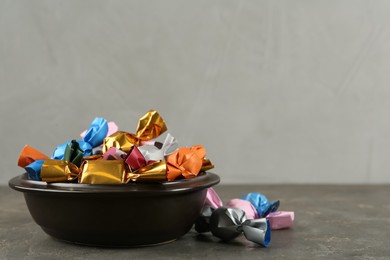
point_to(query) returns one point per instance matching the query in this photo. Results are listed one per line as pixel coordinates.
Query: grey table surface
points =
(332, 222)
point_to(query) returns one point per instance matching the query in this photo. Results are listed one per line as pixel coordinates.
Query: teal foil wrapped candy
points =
(73, 153)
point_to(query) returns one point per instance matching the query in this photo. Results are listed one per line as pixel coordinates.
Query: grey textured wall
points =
(277, 91)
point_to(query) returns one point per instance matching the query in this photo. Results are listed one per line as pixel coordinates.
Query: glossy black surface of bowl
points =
(124, 215)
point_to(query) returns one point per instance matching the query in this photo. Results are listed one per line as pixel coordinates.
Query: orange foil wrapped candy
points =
(150, 126)
(29, 155)
(102, 172)
(58, 171)
(186, 162)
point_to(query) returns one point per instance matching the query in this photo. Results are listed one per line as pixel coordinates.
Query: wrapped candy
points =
(114, 154)
(73, 153)
(112, 128)
(94, 137)
(102, 172)
(229, 223)
(150, 126)
(245, 205)
(34, 170)
(206, 165)
(212, 202)
(135, 159)
(58, 171)
(29, 155)
(120, 140)
(186, 162)
(31, 160)
(202, 223)
(278, 219)
(152, 152)
(261, 203)
(281, 219)
(154, 172)
(212, 199)
(96, 132)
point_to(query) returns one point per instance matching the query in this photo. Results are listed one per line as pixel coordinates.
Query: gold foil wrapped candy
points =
(58, 171)
(206, 165)
(102, 172)
(150, 126)
(154, 172)
(120, 140)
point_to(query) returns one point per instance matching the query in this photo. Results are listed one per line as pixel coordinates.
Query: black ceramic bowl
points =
(115, 215)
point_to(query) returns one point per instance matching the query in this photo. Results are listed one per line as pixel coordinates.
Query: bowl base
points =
(111, 246)
(105, 244)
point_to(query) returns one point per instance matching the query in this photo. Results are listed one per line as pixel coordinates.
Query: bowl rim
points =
(203, 180)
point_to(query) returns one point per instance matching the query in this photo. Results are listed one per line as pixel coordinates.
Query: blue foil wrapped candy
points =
(34, 170)
(94, 137)
(261, 203)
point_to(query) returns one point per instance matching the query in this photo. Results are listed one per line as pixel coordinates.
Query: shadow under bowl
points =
(125, 215)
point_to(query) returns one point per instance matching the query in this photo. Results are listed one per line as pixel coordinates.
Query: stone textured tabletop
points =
(332, 222)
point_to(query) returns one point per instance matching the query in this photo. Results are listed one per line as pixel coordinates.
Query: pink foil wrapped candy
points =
(281, 219)
(245, 205)
(113, 154)
(212, 199)
(135, 159)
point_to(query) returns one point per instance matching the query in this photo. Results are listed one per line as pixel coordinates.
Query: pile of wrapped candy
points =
(253, 215)
(105, 155)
